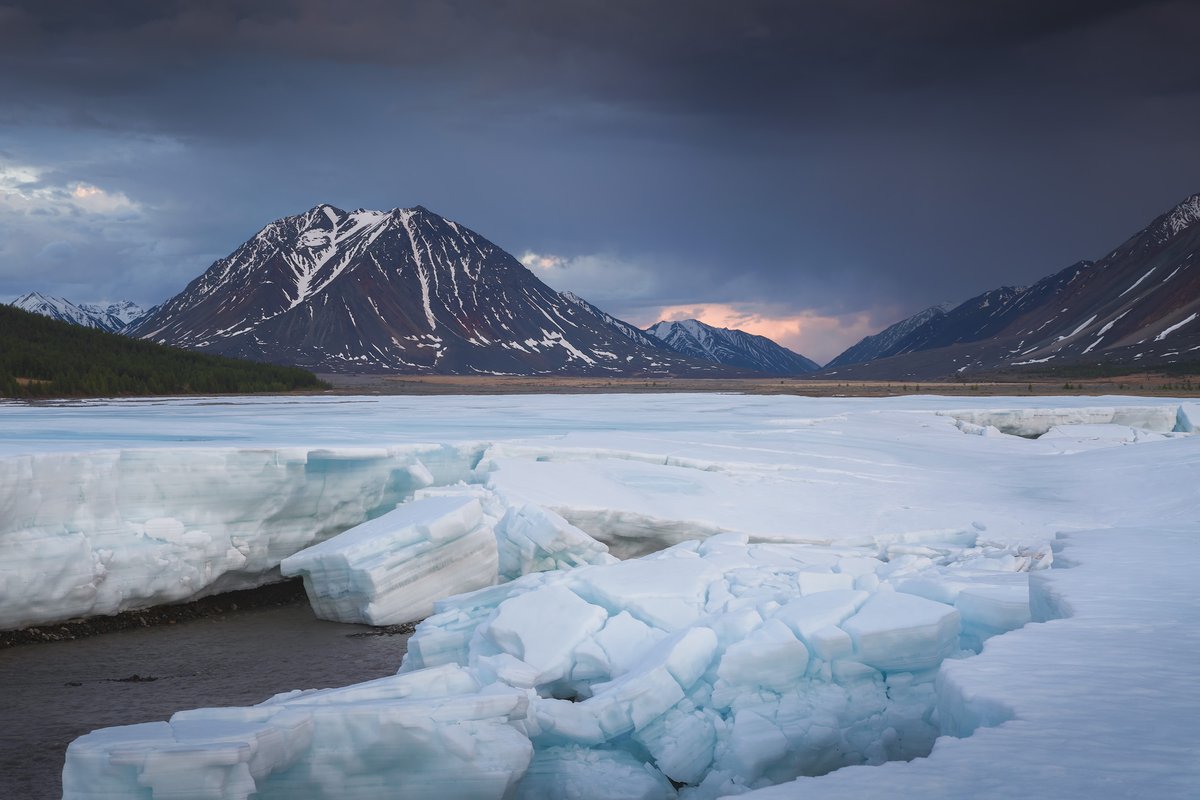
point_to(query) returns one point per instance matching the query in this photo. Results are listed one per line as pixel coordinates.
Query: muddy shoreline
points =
(57, 691)
(284, 593)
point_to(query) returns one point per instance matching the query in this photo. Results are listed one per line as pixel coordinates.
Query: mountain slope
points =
(630, 331)
(42, 357)
(111, 318)
(890, 341)
(394, 291)
(733, 348)
(1137, 306)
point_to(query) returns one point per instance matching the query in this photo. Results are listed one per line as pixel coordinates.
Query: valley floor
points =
(1128, 385)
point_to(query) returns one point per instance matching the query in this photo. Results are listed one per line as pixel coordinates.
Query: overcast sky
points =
(813, 171)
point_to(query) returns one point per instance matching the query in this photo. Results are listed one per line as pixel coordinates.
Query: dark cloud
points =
(864, 157)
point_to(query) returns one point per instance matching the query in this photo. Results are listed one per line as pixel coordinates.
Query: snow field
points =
(846, 562)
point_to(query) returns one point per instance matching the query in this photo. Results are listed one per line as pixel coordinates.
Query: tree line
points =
(43, 357)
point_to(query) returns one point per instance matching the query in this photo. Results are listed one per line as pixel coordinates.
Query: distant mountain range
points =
(1137, 306)
(113, 318)
(730, 347)
(409, 291)
(401, 291)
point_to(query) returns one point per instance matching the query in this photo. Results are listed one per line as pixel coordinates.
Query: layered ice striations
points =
(391, 569)
(102, 532)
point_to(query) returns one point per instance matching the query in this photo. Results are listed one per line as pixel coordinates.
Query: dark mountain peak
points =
(326, 209)
(1179, 219)
(30, 297)
(404, 290)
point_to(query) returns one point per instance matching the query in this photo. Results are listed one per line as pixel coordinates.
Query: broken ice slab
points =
(1187, 418)
(577, 772)
(426, 735)
(391, 569)
(1033, 422)
(535, 539)
(898, 632)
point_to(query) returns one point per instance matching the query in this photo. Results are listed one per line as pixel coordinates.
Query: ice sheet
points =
(859, 553)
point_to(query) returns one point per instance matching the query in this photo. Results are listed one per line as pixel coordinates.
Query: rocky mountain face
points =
(396, 291)
(890, 341)
(113, 317)
(1137, 306)
(733, 348)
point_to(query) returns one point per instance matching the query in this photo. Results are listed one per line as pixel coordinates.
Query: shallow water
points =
(54, 692)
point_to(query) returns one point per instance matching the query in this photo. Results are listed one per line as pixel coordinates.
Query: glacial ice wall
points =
(95, 533)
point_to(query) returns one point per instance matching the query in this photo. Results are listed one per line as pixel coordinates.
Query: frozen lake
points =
(926, 528)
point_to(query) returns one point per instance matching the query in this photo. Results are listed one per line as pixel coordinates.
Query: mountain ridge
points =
(113, 318)
(730, 346)
(1108, 311)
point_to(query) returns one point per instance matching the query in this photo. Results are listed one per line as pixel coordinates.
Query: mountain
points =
(733, 348)
(395, 291)
(890, 341)
(630, 331)
(123, 311)
(1137, 306)
(110, 318)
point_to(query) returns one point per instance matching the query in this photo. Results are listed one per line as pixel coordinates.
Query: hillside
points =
(1134, 309)
(42, 357)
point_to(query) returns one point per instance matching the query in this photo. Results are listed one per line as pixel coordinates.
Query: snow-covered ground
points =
(832, 567)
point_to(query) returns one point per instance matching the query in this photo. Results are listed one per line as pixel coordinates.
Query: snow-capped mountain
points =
(733, 348)
(1139, 305)
(112, 318)
(124, 311)
(395, 291)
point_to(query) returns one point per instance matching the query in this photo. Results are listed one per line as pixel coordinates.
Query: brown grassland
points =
(1135, 384)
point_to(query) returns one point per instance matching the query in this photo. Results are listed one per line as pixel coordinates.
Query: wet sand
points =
(53, 692)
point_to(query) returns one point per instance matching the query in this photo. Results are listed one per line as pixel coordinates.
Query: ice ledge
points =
(98, 533)
(1080, 721)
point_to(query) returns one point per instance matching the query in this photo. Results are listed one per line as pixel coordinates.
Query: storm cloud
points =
(814, 169)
